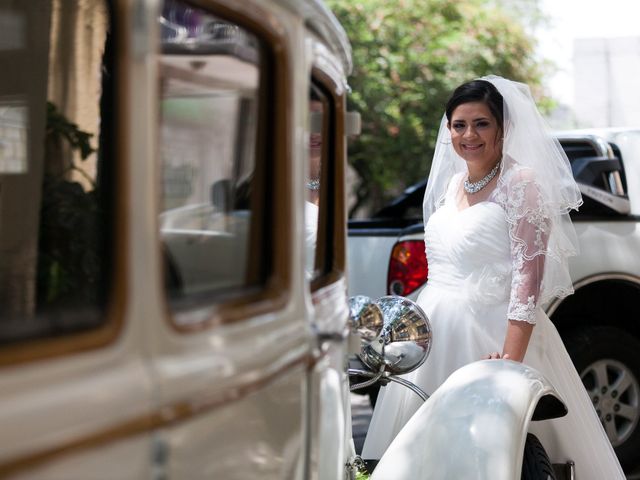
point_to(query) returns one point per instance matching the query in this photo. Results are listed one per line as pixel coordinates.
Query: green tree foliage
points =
(408, 56)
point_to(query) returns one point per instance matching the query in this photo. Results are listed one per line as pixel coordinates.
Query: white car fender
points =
(473, 426)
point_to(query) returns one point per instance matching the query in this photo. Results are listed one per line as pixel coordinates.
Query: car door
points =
(234, 352)
(330, 422)
(75, 390)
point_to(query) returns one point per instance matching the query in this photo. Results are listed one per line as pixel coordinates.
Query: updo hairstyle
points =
(477, 91)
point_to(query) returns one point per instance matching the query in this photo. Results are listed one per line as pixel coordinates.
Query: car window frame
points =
(331, 238)
(271, 200)
(114, 141)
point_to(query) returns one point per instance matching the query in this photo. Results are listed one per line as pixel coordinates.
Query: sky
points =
(571, 19)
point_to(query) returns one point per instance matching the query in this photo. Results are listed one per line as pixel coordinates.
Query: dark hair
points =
(477, 91)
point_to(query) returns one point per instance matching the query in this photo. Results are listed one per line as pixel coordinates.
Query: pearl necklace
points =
(475, 187)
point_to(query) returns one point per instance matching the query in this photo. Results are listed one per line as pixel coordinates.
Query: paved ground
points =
(361, 414)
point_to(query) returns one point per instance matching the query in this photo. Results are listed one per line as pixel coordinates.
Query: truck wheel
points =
(608, 362)
(535, 462)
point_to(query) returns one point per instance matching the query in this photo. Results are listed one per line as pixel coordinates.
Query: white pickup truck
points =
(600, 323)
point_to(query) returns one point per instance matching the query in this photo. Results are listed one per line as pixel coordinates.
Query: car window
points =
(317, 152)
(210, 72)
(55, 168)
(325, 157)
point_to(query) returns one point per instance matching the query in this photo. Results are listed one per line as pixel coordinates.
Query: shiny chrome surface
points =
(411, 386)
(365, 316)
(612, 200)
(615, 183)
(404, 341)
(373, 377)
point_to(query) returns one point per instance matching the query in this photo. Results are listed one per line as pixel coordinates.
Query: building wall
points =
(606, 72)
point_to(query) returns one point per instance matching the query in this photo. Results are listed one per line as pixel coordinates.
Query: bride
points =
(498, 234)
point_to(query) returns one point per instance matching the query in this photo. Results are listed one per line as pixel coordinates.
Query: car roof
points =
(319, 19)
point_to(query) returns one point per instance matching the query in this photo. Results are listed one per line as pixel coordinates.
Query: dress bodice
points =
(469, 251)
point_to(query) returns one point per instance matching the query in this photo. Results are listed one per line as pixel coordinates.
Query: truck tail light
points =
(408, 268)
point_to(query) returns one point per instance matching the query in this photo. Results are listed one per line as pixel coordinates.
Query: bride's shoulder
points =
(514, 173)
(518, 188)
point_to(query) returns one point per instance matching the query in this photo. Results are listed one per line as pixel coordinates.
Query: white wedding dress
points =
(478, 277)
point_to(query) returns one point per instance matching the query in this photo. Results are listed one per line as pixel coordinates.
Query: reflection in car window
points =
(312, 203)
(209, 77)
(54, 168)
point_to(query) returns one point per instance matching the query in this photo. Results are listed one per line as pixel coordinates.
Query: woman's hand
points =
(516, 342)
(496, 356)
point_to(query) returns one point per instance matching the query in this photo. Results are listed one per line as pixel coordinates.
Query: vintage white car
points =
(157, 316)
(172, 243)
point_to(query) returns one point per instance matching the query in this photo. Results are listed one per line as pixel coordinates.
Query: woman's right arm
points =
(528, 234)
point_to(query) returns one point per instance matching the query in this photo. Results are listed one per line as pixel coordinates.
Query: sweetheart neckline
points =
(458, 210)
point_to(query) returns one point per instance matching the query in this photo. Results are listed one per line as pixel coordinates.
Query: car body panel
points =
(483, 409)
(367, 269)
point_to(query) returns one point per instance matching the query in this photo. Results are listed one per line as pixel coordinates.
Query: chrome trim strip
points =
(614, 202)
(616, 183)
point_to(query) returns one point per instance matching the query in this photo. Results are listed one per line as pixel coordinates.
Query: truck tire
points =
(535, 461)
(608, 362)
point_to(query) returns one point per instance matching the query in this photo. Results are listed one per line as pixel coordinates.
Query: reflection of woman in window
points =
(313, 185)
(315, 154)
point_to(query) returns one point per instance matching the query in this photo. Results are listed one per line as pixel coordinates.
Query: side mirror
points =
(396, 333)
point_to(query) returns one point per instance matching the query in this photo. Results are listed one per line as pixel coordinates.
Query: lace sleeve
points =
(529, 230)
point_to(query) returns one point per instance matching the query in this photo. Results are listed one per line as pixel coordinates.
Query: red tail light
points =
(408, 269)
